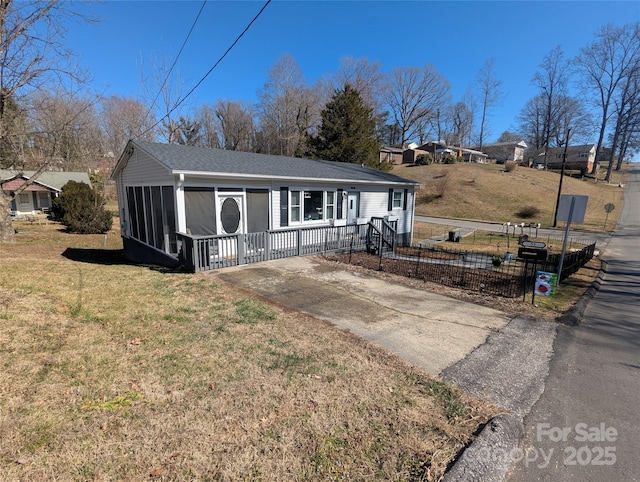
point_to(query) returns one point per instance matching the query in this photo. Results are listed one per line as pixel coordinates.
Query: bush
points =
(449, 159)
(510, 166)
(81, 210)
(527, 212)
(424, 159)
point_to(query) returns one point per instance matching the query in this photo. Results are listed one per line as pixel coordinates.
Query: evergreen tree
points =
(81, 209)
(347, 132)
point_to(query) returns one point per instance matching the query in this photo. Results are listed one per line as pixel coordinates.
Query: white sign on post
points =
(579, 208)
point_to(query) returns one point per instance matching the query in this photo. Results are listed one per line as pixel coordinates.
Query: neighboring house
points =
(470, 155)
(391, 155)
(167, 191)
(410, 156)
(438, 149)
(505, 151)
(37, 197)
(579, 158)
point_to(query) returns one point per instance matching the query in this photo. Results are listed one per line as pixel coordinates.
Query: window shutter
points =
(390, 203)
(406, 196)
(339, 204)
(284, 206)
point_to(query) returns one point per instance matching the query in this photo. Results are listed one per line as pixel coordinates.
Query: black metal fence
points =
(474, 270)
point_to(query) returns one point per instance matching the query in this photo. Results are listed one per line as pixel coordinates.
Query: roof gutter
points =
(287, 178)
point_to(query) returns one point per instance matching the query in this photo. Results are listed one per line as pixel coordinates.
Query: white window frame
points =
(300, 194)
(328, 209)
(397, 202)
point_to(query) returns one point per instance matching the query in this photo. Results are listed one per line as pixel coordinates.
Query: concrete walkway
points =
(428, 330)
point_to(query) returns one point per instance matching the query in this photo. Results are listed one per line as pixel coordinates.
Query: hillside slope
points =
(487, 192)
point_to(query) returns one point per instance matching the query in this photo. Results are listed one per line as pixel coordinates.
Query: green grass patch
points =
(250, 311)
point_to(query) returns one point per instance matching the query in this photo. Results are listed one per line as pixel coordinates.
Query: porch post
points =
(242, 248)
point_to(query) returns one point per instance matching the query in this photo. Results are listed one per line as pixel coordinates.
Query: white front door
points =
(230, 213)
(353, 207)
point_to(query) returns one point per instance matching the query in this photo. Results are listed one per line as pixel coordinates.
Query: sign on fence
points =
(546, 283)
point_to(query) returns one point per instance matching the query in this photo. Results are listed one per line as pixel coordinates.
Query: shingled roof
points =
(52, 179)
(188, 159)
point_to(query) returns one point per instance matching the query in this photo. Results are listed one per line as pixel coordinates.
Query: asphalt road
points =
(585, 425)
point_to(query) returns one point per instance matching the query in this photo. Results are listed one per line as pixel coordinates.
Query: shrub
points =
(449, 159)
(81, 209)
(424, 159)
(527, 212)
(510, 166)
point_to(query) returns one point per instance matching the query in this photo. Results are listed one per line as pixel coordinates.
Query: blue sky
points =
(457, 37)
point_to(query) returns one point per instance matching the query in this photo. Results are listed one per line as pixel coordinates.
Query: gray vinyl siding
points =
(143, 170)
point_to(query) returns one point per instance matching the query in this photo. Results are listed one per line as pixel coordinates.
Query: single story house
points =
(169, 192)
(505, 151)
(391, 155)
(38, 197)
(410, 156)
(579, 158)
(470, 155)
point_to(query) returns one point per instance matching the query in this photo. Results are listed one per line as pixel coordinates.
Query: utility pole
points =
(564, 160)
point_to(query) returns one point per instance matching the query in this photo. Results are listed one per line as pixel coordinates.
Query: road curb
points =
(574, 315)
(491, 454)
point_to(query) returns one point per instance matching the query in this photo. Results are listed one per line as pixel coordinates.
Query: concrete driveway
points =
(428, 330)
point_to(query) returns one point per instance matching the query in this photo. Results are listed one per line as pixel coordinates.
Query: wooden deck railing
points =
(201, 253)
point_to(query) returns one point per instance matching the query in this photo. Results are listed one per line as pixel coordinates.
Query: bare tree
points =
(13, 142)
(206, 116)
(122, 119)
(65, 130)
(237, 128)
(413, 96)
(364, 77)
(32, 54)
(164, 90)
(532, 122)
(551, 79)
(626, 113)
(462, 124)
(604, 65)
(507, 136)
(489, 95)
(567, 112)
(572, 113)
(286, 111)
(629, 130)
(189, 132)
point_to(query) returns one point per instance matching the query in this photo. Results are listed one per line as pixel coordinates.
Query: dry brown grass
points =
(112, 371)
(487, 192)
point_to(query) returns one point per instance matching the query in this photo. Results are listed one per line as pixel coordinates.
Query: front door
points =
(231, 213)
(353, 207)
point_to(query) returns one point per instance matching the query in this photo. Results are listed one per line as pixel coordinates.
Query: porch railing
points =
(201, 253)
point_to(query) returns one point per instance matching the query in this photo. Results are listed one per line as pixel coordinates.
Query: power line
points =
(166, 79)
(179, 103)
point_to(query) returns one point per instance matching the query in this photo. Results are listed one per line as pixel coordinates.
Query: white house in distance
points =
(168, 193)
(38, 196)
(505, 151)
